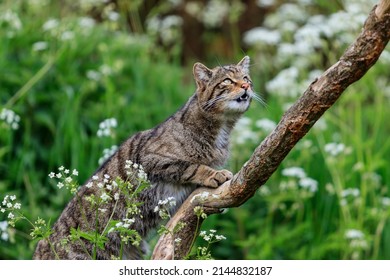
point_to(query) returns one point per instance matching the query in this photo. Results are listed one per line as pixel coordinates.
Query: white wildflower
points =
(354, 234)
(86, 22)
(3, 225)
(359, 243)
(264, 190)
(106, 127)
(178, 240)
(52, 175)
(386, 201)
(10, 118)
(220, 237)
(107, 153)
(265, 3)
(334, 149)
(68, 180)
(94, 76)
(309, 183)
(105, 196)
(50, 24)
(4, 236)
(67, 36)
(350, 192)
(266, 124)
(89, 184)
(215, 12)
(11, 216)
(60, 185)
(285, 83)
(40, 46)
(297, 172)
(12, 21)
(75, 172)
(116, 196)
(261, 35)
(3, 229)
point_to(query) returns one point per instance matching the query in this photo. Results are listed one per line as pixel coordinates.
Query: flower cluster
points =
(135, 169)
(335, 149)
(12, 21)
(107, 153)
(106, 127)
(125, 224)
(10, 205)
(66, 179)
(164, 206)
(211, 237)
(357, 241)
(4, 235)
(351, 195)
(10, 118)
(304, 182)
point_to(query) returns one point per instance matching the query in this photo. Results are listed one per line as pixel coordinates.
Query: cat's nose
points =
(245, 86)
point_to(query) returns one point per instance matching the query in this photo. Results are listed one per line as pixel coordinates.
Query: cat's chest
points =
(222, 139)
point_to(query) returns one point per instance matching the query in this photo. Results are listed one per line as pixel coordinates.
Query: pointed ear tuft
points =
(202, 74)
(244, 64)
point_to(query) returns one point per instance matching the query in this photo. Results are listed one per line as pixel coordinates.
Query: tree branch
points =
(296, 122)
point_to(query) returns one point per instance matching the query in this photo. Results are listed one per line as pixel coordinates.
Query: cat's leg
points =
(206, 176)
(162, 168)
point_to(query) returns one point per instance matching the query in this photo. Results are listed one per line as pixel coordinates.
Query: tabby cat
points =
(178, 155)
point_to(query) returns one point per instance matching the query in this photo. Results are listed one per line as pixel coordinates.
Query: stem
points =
(27, 86)
(94, 252)
(194, 238)
(112, 215)
(121, 251)
(52, 248)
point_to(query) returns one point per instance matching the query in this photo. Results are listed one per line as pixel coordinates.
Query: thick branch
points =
(296, 122)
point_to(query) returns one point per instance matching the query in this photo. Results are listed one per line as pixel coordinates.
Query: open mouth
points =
(243, 98)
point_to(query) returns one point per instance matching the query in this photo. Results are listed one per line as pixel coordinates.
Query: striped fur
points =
(178, 155)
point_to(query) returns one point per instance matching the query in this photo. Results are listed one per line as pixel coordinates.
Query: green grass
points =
(64, 91)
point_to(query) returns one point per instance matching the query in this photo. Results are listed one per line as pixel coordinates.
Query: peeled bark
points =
(295, 123)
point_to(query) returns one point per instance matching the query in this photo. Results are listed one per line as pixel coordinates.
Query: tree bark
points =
(295, 123)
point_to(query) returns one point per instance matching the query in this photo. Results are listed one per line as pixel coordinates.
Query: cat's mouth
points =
(243, 97)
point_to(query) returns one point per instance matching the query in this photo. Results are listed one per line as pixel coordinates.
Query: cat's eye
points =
(228, 81)
(246, 80)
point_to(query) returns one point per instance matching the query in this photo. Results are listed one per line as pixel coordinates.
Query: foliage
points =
(72, 86)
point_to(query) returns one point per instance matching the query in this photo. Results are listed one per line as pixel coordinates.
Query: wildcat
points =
(178, 155)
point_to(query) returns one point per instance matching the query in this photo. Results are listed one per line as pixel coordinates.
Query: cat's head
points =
(225, 90)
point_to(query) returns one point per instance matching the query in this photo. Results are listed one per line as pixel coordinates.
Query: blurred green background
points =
(66, 66)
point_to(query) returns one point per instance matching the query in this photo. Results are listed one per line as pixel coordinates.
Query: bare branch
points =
(296, 122)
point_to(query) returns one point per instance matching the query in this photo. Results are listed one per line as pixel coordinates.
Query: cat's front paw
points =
(218, 178)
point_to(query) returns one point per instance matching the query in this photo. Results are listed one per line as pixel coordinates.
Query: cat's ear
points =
(244, 64)
(202, 74)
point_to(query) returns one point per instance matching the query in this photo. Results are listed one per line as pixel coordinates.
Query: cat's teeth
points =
(243, 97)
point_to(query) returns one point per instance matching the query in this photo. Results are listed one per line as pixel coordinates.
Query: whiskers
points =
(258, 98)
(211, 103)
